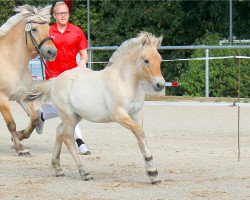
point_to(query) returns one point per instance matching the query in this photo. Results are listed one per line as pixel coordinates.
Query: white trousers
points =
(50, 111)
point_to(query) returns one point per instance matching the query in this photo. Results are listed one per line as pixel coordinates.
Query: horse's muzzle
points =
(49, 52)
(158, 83)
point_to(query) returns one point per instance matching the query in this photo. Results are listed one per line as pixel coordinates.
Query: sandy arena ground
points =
(194, 149)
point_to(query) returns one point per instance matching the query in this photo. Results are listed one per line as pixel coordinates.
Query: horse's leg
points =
(65, 133)
(5, 110)
(34, 120)
(135, 125)
(68, 138)
(57, 151)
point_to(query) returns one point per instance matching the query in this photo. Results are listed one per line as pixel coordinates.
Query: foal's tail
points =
(40, 91)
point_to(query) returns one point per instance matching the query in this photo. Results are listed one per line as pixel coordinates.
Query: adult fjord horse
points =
(115, 94)
(23, 33)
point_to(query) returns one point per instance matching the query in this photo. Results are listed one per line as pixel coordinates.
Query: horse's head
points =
(149, 62)
(39, 39)
(37, 30)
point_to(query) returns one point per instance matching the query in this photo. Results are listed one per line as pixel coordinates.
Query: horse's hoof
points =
(156, 181)
(59, 174)
(24, 152)
(86, 176)
(89, 178)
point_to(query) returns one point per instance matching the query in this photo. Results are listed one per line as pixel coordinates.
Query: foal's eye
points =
(146, 61)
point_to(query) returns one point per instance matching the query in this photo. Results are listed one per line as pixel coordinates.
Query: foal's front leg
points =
(137, 129)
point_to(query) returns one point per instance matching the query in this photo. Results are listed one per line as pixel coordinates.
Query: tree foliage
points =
(6, 10)
(223, 73)
(180, 23)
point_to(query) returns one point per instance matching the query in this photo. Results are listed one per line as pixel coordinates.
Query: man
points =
(69, 40)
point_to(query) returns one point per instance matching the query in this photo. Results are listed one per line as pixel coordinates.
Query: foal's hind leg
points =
(57, 151)
(68, 138)
(30, 110)
(135, 125)
(5, 110)
(66, 134)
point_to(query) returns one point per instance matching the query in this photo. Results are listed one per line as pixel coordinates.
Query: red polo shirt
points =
(68, 45)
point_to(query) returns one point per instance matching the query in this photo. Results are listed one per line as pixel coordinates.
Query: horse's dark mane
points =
(28, 13)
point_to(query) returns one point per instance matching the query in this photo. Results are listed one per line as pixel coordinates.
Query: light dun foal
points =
(115, 94)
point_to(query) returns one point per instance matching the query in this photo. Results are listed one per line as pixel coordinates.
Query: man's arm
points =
(83, 58)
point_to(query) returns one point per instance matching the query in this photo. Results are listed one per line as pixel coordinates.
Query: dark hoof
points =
(59, 172)
(86, 176)
(156, 182)
(60, 175)
(89, 179)
(24, 153)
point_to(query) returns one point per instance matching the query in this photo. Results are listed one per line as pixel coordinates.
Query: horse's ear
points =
(145, 40)
(159, 41)
(46, 9)
(45, 12)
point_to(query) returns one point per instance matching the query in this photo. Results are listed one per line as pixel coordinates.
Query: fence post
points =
(207, 72)
(89, 39)
(90, 59)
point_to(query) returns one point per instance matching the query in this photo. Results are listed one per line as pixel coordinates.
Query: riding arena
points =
(139, 149)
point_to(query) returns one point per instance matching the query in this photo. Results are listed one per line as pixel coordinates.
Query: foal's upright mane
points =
(131, 44)
(28, 13)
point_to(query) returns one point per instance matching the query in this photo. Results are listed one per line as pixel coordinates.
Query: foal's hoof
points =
(156, 181)
(60, 173)
(86, 176)
(24, 152)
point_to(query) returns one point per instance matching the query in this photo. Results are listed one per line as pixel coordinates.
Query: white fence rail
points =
(35, 65)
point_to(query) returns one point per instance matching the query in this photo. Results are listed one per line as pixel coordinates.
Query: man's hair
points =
(59, 3)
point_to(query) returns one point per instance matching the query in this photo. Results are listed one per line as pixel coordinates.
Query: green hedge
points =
(223, 73)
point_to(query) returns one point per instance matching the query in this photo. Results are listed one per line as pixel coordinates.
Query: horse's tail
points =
(40, 91)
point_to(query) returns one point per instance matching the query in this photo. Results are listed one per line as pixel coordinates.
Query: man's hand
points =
(83, 58)
(82, 63)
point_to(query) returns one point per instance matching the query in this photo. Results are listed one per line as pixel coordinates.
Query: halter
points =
(35, 44)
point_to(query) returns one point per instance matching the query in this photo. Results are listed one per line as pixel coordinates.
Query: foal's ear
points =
(146, 40)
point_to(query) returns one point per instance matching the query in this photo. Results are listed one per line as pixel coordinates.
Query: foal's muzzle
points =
(158, 83)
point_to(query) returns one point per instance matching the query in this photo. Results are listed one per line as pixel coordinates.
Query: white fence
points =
(37, 73)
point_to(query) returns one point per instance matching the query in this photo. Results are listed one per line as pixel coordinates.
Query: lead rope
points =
(38, 46)
(238, 109)
(42, 63)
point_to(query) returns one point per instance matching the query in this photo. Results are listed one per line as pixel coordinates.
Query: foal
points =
(115, 94)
